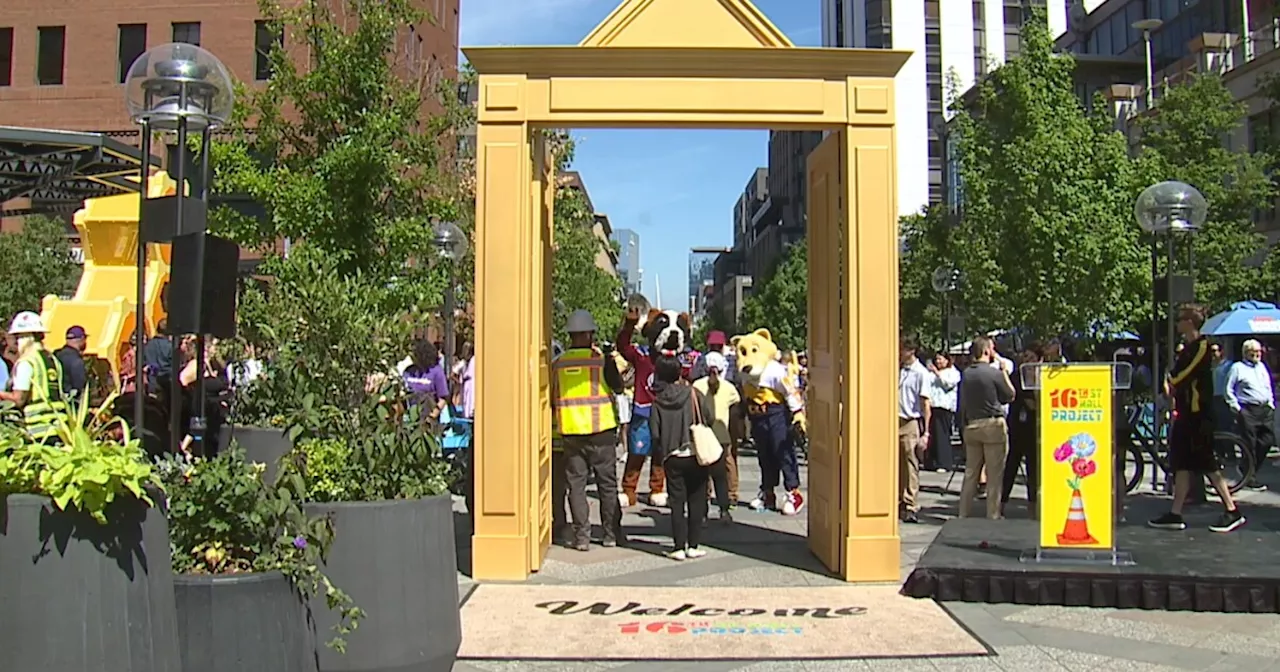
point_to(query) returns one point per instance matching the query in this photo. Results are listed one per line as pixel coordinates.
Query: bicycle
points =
(1234, 458)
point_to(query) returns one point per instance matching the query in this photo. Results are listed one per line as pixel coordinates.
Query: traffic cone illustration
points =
(1076, 531)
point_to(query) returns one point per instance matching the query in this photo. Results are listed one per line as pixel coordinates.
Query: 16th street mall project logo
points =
(691, 619)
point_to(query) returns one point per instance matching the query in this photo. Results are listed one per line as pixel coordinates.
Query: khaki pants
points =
(986, 445)
(909, 464)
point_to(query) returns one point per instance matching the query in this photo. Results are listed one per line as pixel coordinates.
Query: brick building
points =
(62, 64)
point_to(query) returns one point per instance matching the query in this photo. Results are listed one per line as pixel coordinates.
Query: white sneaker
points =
(623, 500)
(678, 556)
(694, 553)
(658, 499)
(763, 502)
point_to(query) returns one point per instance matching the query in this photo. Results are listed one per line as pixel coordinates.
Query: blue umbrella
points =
(1246, 318)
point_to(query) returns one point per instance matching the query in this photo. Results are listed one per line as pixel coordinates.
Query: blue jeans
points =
(775, 450)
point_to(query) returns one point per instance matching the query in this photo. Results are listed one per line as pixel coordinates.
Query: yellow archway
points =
(692, 64)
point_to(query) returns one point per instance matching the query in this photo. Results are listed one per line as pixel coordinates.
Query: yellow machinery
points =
(104, 302)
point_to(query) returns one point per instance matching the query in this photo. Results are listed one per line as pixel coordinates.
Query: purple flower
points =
(299, 542)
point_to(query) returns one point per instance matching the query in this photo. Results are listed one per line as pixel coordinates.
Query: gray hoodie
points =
(673, 415)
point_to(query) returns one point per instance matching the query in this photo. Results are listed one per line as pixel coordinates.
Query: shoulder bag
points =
(706, 447)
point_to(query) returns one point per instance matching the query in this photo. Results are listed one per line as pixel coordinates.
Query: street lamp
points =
(175, 88)
(945, 280)
(451, 242)
(1166, 208)
(1148, 26)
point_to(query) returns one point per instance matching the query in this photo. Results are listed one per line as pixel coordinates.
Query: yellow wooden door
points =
(826, 486)
(542, 197)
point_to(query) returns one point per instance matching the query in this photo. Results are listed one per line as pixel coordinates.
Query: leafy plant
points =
(93, 463)
(382, 449)
(578, 284)
(37, 262)
(224, 519)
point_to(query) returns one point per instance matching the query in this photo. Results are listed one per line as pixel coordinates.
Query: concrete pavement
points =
(765, 549)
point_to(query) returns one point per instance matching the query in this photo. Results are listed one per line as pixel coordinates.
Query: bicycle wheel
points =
(1135, 467)
(1234, 458)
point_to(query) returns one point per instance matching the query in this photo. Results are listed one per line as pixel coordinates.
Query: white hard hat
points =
(26, 322)
(580, 322)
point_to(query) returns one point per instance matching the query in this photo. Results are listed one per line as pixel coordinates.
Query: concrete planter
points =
(396, 560)
(112, 584)
(242, 623)
(263, 444)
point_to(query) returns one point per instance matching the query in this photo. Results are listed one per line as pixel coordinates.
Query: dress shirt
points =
(912, 383)
(1220, 378)
(1248, 384)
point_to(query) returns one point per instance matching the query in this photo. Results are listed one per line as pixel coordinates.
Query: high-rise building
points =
(702, 277)
(628, 259)
(955, 38)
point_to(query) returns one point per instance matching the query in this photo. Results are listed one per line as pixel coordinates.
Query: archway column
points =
(508, 328)
(869, 286)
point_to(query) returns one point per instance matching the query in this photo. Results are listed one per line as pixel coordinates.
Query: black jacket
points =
(75, 377)
(672, 416)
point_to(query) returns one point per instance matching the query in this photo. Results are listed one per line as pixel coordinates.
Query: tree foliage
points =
(924, 240)
(345, 145)
(1183, 141)
(781, 303)
(37, 262)
(577, 283)
(1046, 238)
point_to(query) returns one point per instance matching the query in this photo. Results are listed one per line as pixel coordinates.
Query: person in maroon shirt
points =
(638, 443)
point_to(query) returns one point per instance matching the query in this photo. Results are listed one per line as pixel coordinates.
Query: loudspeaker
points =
(218, 298)
(1182, 291)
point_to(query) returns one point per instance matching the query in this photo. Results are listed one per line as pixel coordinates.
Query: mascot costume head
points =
(666, 331)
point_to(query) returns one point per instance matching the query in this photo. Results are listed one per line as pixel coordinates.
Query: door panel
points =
(826, 486)
(542, 195)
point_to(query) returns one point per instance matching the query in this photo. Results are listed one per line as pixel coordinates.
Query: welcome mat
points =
(574, 622)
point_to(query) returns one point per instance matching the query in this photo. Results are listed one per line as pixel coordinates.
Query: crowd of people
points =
(652, 400)
(983, 398)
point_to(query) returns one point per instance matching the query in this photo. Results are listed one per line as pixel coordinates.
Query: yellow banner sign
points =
(1076, 470)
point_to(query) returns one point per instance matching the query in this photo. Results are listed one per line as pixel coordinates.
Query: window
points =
(265, 38)
(978, 12)
(931, 9)
(1013, 16)
(6, 56)
(51, 54)
(840, 25)
(133, 42)
(932, 38)
(188, 33)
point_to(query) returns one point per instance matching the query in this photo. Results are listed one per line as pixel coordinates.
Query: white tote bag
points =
(706, 447)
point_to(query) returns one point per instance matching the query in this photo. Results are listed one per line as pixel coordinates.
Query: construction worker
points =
(37, 379)
(583, 384)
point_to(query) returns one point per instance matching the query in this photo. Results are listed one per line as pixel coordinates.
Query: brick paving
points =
(768, 550)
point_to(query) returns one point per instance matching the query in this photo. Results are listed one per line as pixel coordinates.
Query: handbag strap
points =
(697, 413)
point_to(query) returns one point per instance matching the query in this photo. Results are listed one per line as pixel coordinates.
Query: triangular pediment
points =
(686, 23)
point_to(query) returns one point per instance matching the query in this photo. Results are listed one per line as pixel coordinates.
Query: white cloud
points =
(498, 22)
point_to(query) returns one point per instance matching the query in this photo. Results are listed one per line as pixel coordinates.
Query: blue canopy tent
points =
(1246, 318)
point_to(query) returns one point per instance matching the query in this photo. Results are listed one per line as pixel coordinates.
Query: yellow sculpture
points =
(692, 64)
(105, 300)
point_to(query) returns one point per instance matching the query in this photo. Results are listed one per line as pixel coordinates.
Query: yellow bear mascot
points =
(774, 405)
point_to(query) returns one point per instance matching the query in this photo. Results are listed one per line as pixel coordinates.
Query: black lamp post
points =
(451, 243)
(1167, 208)
(180, 89)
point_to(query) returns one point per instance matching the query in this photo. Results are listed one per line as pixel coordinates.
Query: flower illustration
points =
(299, 542)
(1083, 445)
(1063, 452)
(1078, 466)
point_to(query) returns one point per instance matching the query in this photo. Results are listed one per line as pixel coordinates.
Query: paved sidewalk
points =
(769, 550)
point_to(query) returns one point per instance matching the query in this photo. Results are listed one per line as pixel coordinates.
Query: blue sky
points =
(676, 189)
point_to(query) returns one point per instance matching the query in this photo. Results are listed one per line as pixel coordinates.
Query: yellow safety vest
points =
(45, 402)
(583, 404)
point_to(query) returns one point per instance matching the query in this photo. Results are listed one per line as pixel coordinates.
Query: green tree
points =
(781, 304)
(37, 262)
(1046, 238)
(340, 147)
(924, 239)
(1183, 140)
(576, 282)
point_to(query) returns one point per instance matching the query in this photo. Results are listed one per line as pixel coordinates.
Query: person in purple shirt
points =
(425, 378)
